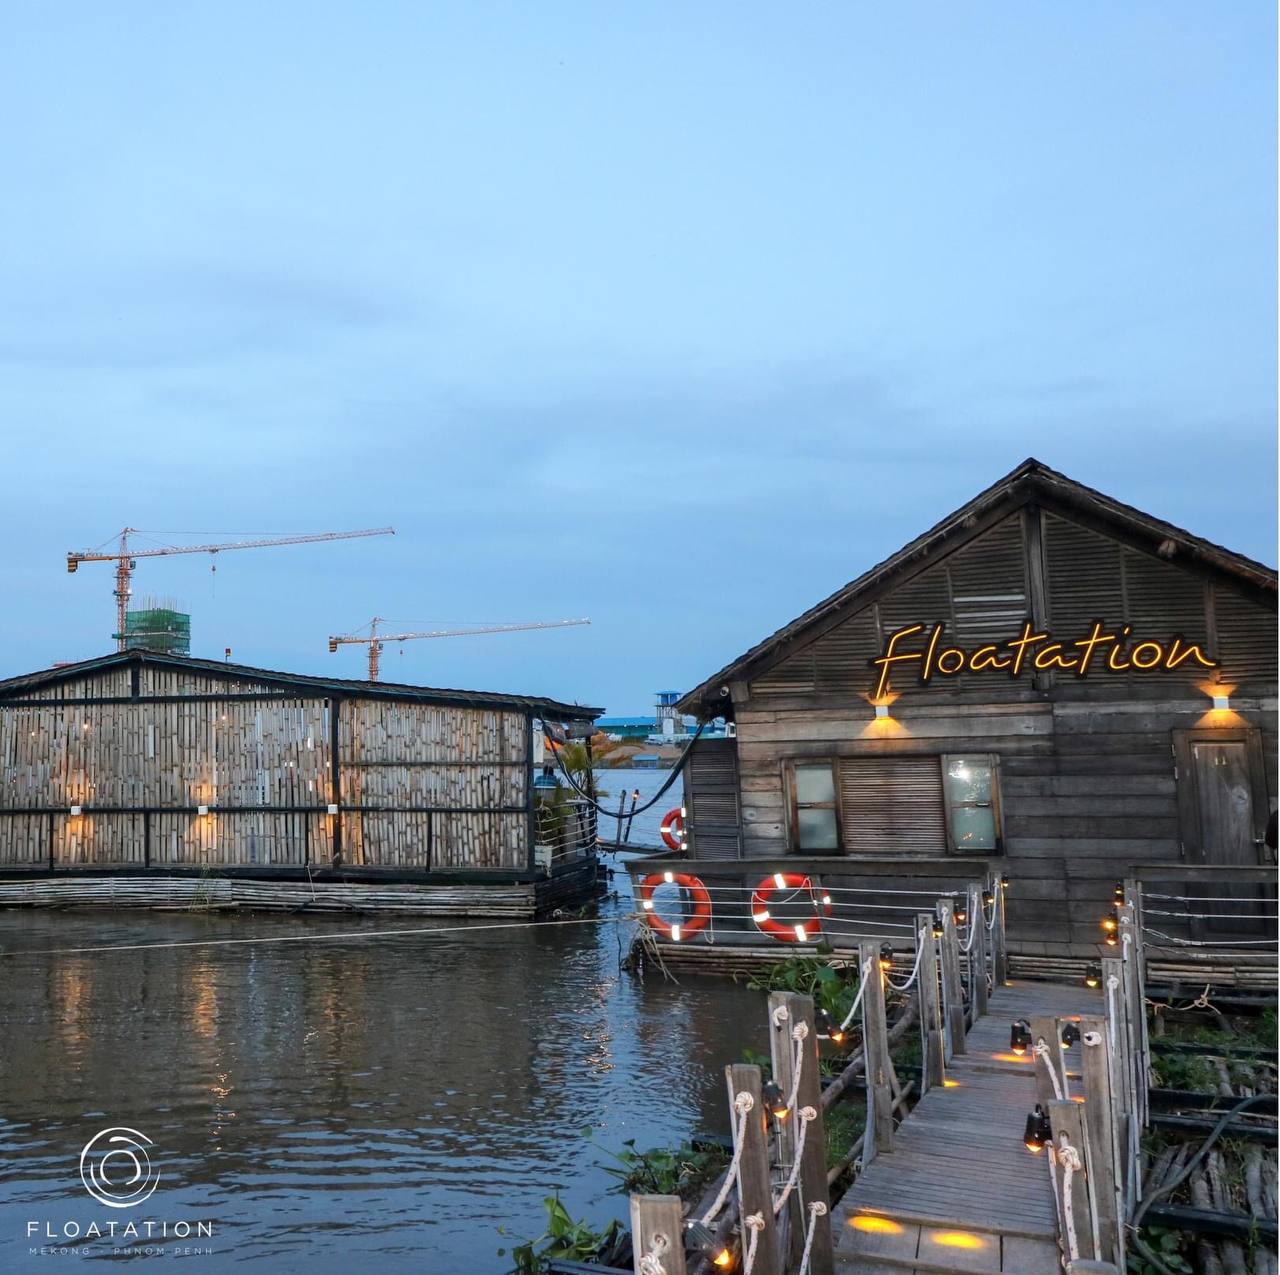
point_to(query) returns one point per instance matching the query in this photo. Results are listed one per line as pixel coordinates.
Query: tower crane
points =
(375, 641)
(126, 559)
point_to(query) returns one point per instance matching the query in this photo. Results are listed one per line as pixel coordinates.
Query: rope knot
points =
(754, 1222)
(743, 1102)
(800, 1031)
(1069, 1157)
(780, 1016)
(807, 1113)
(651, 1262)
(818, 1209)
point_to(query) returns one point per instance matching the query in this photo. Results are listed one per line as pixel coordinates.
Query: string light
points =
(1093, 975)
(1020, 1036)
(1038, 1130)
(1070, 1035)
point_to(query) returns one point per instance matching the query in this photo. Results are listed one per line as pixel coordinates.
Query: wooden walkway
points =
(959, 1191)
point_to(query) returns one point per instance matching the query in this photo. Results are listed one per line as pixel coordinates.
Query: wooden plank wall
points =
(1087, 770)
(169, 757)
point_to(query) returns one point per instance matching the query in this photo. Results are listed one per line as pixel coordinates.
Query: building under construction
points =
(147, 777)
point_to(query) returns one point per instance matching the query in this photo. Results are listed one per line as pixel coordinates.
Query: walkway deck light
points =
(1020, 1036)
(827, 1026)
(1038, 1131)
(1070, 1035)
(886, 957)
(775, 1100)
(1092, 974)
(702, 1238)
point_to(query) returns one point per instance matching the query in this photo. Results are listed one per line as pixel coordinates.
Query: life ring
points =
(673, 828)
(698, 895)
(788, 931)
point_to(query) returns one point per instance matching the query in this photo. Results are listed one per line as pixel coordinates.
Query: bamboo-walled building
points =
(1048, 684)
(142, 767)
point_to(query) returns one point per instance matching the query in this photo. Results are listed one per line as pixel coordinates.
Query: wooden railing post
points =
(999, 953)
(1049, 1031)
(786, 1011)
(978, 953)
(952, 990)
(1123, 1084)
(875, 1044)
(753, 1167)
(1104, 1141)
(1079, 1222)
(928, 991)
(657, 1228)
(1137, 954)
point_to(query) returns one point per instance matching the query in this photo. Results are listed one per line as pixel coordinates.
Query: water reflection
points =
(343, 1104)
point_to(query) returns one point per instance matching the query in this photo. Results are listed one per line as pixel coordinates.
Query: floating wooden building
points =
(1048, 684)
(153, 778)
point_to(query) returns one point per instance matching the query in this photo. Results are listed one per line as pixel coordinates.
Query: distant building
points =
(627, 727)
(665, 724)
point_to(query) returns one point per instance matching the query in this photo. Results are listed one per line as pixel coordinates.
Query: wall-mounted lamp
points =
(938, 930)
(1222, 701)
(331, 808)
(1070, 1035)
(774, 1099)
(77, 811)
(202, 811)
(886, 957)
(882, 710)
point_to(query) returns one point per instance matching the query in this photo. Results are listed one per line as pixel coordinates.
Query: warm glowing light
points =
(875, 1225)
(1222, 701)
(951, 1084)
(723, 1258)
(958, 1239)
(882, 710)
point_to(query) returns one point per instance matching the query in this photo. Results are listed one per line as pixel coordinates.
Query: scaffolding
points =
(158, 628)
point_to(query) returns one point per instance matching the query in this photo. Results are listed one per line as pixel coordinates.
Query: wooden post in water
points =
(753, 1167)
(657, 1228)
(1104, 1142)
(952, 990)
(978, 954)
(999, 954)
(875, 1044)
(932, 1050)
(1079, 1222)
(1054, 1066)
(786, 1010)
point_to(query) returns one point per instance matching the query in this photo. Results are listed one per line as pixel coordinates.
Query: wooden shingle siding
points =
(892, 806)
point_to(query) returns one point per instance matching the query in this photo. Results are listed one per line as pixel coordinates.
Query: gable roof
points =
(15, 687)
(1030, 480)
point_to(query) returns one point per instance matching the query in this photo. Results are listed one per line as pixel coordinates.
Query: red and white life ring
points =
(673, 828)
(788, 931)
(698, 896)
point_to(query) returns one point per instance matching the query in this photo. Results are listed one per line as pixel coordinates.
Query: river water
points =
(356, 1104)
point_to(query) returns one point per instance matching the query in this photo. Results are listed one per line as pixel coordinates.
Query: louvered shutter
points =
(989, 585)
(712, 799)
(892, 806)
(842, 656)
(1246, 639)
(1084, 577)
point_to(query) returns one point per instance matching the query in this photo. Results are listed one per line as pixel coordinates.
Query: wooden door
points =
(1223, 809)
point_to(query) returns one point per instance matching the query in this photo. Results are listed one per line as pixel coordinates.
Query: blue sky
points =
(673, 316)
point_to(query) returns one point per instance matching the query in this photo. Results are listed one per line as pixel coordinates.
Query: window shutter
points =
(712, 788)
(989, 585)
(892, 805)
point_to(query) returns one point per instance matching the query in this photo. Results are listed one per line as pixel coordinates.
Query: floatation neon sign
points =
(1102, 649)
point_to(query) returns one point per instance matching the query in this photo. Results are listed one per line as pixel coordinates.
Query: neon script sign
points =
(1102, 649)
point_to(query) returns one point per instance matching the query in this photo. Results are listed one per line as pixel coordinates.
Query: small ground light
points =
(1038, 1131)
(702, 1238)
(827, 1026)
(1070, 1035)
(886, 956)
(1020, 1036)
(774, 1099)
(1092, 975)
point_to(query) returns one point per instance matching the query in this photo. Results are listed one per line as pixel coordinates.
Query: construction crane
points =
(126, 559)
(375, 641)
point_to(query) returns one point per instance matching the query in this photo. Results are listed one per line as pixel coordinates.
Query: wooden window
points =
(896, 806)
(815, 818)
(971, 789)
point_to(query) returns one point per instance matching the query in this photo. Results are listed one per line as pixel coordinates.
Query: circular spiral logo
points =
(116, 1169)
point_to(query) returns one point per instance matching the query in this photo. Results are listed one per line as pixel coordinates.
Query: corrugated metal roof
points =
(542, 706)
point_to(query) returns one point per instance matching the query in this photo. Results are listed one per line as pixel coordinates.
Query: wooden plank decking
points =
(959, 1191)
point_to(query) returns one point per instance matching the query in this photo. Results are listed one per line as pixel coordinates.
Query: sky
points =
(673, 316)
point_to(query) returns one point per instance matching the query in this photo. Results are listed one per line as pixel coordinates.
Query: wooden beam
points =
(875, 1043)
(657, 1229)
(928, 994)
(753, 1168)
(952, 989)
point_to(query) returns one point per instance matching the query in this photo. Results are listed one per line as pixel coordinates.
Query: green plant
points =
(1167, 1246)
(682, 1170)
(564, 1237)
(833, 988)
